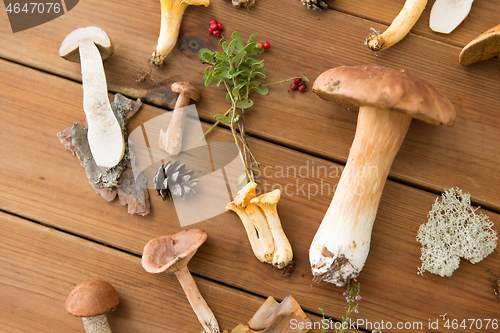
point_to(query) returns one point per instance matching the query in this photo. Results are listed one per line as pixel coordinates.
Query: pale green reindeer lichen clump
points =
(454, 231)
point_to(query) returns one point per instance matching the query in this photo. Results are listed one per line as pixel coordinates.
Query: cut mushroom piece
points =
(91, 300)
(172, 12)
(268, 202)
(483, 47)
(170, 139)
(171, 254)
(387, 99)
(446, 15)
(399, 28)
(90, 46)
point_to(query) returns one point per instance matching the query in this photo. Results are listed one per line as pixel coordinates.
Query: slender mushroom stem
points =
(173, 136)
(200, 307)
(339, 250)
(399, 27)
(97, 324)
(170, 139)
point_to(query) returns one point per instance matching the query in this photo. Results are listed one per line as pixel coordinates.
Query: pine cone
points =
(316, 4)
(173, 179)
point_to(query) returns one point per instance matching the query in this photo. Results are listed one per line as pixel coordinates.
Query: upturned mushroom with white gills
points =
(483, 47)
(172, 12)
(171, 253)
(387, 100)
(90, 46)
(399, 27)
(446, 15)
(283, 254)
(170, 139)
(91, 300)
(264, 242)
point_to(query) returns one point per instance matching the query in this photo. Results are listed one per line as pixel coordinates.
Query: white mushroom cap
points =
(69, 46)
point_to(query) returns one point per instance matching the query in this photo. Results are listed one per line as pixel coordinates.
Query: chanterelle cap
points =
(385, 88)
(172, 252)
(92, 298)
(69, 47)
(186, 88)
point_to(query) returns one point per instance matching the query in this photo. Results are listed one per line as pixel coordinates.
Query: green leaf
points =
(223, 119)
(238, 41)
(222, 57)
(232, 46)
(263, 90)
(249, 47)
(304, 78)
(228, 98)
(225, 74)
(225, 48)
(252, 38)
(205, 54)
(235, 92)
(260, 73)
(236, 59)
(244, 104)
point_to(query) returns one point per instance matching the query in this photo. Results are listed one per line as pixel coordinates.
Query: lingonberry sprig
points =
(238, 69)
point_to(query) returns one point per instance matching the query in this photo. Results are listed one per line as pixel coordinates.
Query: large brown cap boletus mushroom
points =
(91, 300)
(483, 47)
(170, 140)
(171, 254)
(387, 100)
(90, 46)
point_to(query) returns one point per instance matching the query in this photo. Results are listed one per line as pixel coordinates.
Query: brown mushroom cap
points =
(483, 47)
(187, 89)
(69, 47)
(172, 252)
(385, 88)
(92, 298)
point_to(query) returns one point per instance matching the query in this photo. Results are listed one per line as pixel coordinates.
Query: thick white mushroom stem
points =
(198, 303)
(341, 245)
(283, 254)
(104, 132)
(97, 324)
(253, 238)
(399, 27)
(264, 232)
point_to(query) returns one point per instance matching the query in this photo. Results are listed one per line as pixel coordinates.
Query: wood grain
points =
(322, 40)
(42, 181)
(40, 266)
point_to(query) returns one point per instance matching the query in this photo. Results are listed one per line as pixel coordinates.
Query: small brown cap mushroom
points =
(172, 252)
(385, 88)
(483, 47)
(69, 46)
(186, 88)
(92, 298)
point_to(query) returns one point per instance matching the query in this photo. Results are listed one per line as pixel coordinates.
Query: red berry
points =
(216, 33)
(212, 21)
(213, 26)
(212, 67)
(302, 87)
(294, 86)
(220, 26)
(259, 45)
(266, 45)
(298, 80)
(210, 30)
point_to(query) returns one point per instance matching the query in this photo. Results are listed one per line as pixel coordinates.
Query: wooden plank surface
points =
(42, 181)
(303, 122)
(40, 266)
